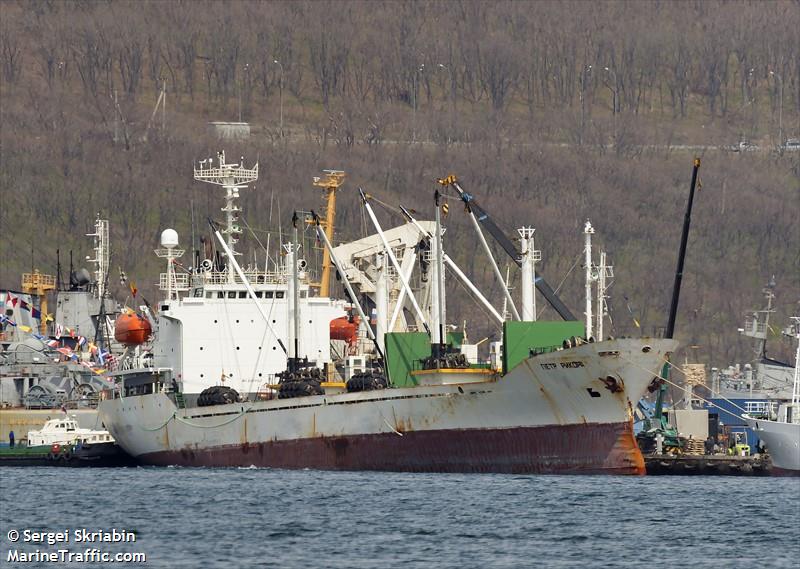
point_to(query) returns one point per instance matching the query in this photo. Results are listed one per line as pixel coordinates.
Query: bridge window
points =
(243, 294)
(232, 294)
(279, 294)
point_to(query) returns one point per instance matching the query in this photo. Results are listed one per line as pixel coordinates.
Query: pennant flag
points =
(25, 305)
(25, 328)
(133, 288)
(65, 351)
(52, 343)
(82, 341)
(36, 313)
(59, 331)
(11, 301)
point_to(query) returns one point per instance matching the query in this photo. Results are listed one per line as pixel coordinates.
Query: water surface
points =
(186, 517)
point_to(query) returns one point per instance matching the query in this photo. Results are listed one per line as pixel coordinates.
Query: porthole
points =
(237, 347)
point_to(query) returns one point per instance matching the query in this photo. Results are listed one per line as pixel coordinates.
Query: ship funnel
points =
(169, 238)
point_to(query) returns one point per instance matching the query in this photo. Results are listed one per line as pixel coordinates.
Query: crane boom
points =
(502, 239)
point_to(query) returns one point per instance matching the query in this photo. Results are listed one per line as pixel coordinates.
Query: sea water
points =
(200, 517)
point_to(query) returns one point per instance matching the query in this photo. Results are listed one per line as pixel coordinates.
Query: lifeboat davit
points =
(132, 329)
(345, 328)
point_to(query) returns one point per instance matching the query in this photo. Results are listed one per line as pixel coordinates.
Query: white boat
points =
(65, 431)
(782, 435)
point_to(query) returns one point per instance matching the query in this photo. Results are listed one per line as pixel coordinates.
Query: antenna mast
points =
(604, 272)
(232, 178)
(101, 255)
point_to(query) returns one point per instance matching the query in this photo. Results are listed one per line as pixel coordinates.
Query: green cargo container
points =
(405, 349)
(402, 350)
(519, 338)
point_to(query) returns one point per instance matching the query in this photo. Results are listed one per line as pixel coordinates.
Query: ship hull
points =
(783, 444)
(584, 449)
(553, 413)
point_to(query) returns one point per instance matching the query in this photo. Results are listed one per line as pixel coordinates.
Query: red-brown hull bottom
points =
(575, 449)
(777, 471)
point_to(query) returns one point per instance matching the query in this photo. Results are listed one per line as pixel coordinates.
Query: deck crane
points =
(330, 184)
(39, 285)
(483, 217)
(658, 423)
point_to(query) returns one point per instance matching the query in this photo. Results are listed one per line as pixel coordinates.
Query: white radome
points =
(169, 238)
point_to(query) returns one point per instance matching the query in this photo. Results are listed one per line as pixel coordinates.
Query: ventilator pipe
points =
(381, 302)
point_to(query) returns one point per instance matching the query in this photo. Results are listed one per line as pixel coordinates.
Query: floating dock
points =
(708, 465)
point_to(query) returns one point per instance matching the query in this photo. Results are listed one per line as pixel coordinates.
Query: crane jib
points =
(541, 285)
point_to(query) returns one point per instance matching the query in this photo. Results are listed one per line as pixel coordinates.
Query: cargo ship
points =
(242, 369)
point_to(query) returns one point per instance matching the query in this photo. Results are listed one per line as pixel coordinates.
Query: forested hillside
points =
(549, 112)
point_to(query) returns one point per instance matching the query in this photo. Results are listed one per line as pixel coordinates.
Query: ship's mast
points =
(101, 255)
(528, 267)
(796, 385)
(757, 326)
(170, 252)
(588, 231)
(232, 178)
(604, 272)
(292, 260)
(381, 300)
(440, 337)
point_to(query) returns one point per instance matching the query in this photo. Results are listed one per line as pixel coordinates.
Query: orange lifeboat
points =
(132, 329)
(345, 328)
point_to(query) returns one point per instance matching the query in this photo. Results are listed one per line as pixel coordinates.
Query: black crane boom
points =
(502, 239)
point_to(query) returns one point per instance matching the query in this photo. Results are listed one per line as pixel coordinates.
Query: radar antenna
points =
(232, 177)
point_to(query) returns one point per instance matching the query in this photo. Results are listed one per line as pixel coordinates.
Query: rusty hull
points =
(557, 449)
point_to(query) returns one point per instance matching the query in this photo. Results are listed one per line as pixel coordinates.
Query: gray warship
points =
(37, 381)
